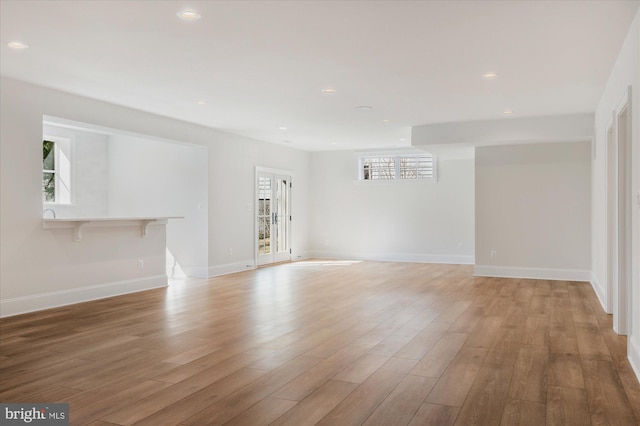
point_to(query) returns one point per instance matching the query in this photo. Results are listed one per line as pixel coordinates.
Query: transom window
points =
(398, 167)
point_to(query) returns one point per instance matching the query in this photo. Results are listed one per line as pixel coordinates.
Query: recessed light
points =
(386, 121)
(489, 75)
(201, 102)
(334, 143)
(508, 111)
(364, 107)
(329, 91)
(189, 15)
(17, 45)
(403, 140)
(283, 127)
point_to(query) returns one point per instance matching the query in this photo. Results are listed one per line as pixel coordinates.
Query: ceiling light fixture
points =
(364, 107)
(283, 127)
(329, 91)
(201, 102)
(508, 111)
(18, 45)
(489, 75)
(189, 15)
(403, 140)
(386, 121)
(334, 143)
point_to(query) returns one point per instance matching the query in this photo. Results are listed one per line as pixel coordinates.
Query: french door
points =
(274, 217)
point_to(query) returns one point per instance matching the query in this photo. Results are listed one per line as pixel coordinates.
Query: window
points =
(48, 172)
(56, 170)
(395, 167)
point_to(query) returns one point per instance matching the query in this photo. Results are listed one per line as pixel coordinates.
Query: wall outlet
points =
(493, 254)
(141, 264)
(460, 245)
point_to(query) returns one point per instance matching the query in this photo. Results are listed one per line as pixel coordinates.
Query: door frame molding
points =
(619, 215)
(261, 169)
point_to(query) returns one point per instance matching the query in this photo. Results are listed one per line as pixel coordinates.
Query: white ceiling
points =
(262, 65)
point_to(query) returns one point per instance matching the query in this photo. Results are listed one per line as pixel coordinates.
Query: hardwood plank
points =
(439, 357)
(486, 400)
(84, 413)
(424, 341)
(360, 403)
(567, 407)
(303, 385)
(359, 370)
(239, 401)
(523, 413)
(180, 401)
(537, 330)
(565, 370)
(403, 402)
(485, 332)
(263, 413)
(455, 382)
(591, 343)
(608, 402)
(530, 374)
(435, 415)
(314, 407)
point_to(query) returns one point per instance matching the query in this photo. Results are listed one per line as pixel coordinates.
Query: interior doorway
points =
(619, 216)
(273, 216)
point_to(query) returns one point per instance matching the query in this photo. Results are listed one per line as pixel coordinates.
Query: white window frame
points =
(397, 167)
(63, 171)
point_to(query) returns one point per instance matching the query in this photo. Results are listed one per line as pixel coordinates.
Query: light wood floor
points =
(330, 343)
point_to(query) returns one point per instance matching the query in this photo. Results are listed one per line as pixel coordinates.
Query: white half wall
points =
(533, 211)
(149, 178)
(406, 221)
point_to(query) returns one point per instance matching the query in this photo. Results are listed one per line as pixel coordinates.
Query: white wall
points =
(89, 173)
(397, 220)
(533, 210)
(626, 72)
(35, 262)
(149, 178)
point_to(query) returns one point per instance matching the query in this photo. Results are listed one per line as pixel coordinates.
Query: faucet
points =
(49, 210)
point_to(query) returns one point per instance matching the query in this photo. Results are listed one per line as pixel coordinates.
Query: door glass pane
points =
(264, 215)
(283, 216)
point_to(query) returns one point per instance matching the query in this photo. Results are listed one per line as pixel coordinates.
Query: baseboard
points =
(634, 356)
(54, 299)
(230, 268)
(533, 273)
(398, 257)
(598, 291)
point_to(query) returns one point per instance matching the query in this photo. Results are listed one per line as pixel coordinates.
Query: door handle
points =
(276, 216)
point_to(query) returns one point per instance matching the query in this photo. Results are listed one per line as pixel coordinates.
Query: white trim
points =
(599, 291)
(230, 268)
(634, 356)
(54, 299)
(533, 273)
(398, 257)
